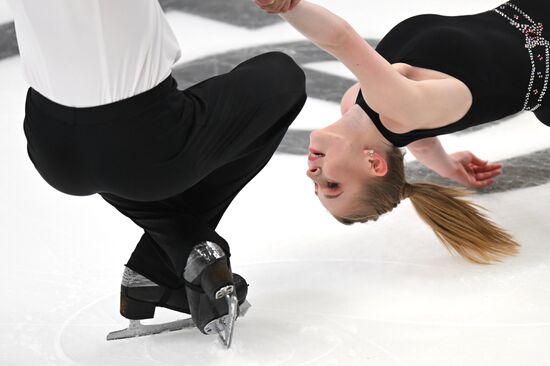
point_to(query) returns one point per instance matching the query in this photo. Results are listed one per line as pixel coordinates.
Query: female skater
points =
(430, 75)
(104, 115)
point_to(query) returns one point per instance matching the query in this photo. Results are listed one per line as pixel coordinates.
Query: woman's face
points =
(339, 163)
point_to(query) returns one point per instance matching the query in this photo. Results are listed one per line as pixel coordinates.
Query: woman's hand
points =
(471, 171)
(277, 6)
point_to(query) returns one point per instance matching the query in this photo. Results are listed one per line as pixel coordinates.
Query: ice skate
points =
(211, 291)
(140, 296)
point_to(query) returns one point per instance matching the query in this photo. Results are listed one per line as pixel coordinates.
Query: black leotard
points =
(485, 51)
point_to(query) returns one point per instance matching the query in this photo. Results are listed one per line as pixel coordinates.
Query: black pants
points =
(170, 160)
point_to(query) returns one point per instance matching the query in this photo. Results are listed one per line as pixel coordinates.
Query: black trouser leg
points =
(176, 224)
(170, 234)
(170, 160)
(211, 197)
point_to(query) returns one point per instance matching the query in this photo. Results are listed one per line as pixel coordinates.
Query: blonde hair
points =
(457, 222)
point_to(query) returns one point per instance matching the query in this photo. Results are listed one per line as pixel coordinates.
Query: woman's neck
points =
(372, 136)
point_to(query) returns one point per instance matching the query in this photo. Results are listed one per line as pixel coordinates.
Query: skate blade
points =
(136, 329)
(243, 308)
(226, 325)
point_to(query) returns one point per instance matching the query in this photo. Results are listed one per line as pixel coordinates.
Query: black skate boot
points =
(140, 296)
(211, 291)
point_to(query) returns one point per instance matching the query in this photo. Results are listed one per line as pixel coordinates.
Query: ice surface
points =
(5, 12)
(384, 293)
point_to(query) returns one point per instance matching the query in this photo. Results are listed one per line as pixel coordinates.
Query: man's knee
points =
(281, 72)
(288, 71)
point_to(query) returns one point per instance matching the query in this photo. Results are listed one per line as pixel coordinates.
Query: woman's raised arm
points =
(380, 82)
(408, 103)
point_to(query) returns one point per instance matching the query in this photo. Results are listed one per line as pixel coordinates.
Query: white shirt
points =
(83, 53)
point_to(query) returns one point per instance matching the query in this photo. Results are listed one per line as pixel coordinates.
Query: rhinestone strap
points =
(539, 52)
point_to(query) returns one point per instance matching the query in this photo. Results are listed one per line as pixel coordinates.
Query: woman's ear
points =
(377, 162)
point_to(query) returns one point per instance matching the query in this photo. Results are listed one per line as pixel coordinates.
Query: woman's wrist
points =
(449, 168)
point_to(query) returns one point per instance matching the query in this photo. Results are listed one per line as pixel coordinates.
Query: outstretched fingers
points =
(487, 171)
(482, 183)
(484, 176)
(487, 175)
(477, 161)
(474, 172)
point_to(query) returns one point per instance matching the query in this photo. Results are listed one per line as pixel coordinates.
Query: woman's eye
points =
(331, 185)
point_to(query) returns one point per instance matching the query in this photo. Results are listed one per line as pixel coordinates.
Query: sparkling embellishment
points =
(533, 39)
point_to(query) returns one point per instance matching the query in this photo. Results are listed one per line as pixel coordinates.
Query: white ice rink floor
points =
(384, 293)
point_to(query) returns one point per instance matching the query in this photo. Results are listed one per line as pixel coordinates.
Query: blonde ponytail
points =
(459, 224)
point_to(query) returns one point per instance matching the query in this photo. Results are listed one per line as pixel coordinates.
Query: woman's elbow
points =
(339, 34)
